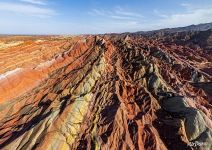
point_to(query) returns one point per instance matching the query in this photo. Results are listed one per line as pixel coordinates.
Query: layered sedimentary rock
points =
(105, 92)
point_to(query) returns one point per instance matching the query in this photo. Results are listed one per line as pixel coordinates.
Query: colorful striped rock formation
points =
(109, 92)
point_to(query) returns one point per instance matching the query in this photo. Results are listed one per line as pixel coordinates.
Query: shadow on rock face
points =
(196, 127)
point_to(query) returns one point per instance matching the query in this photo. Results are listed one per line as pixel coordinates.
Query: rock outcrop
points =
(104, 92)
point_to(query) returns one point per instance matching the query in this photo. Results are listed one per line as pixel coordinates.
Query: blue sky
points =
(99, 16)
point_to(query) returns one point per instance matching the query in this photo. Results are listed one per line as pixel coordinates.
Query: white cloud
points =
(38, 2)
(116, 20)
(117, 13)
(26, 9)
(186, 5)
(120, 17)
(98, 12)
(131, 14)
(121, 11)
(159, 13)
(191, 15)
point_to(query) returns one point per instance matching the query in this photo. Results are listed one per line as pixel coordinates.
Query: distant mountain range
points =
(193, 35)
(191, 28)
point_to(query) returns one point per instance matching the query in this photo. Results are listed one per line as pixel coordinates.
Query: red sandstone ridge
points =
(104, 92)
